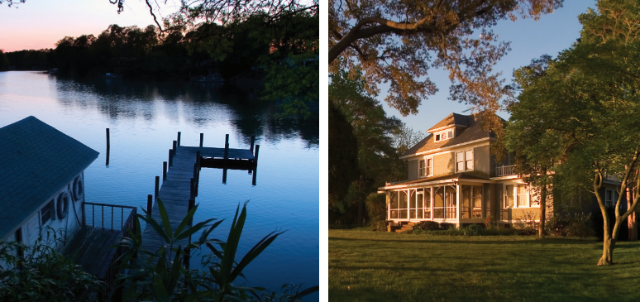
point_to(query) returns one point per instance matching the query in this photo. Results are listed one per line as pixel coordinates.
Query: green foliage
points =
(162, 276)
(376, 206)
(42, 274)
(343, 158)
(379, 226)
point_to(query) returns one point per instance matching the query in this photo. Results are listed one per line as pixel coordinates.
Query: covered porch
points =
(454, 199)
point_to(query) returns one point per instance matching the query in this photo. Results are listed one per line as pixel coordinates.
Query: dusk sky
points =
(529, 39)
(39, 24)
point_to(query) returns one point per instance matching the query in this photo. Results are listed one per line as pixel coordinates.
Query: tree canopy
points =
(582, 110)
(400, 41)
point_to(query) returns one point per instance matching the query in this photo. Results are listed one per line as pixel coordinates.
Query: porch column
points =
(388, 202)
(431, 201)
(458, 207)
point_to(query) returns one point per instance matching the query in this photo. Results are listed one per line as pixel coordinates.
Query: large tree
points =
(589, 100)
(399, 41)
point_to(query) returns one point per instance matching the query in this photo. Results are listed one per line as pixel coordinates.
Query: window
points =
(46, 212)
(517, 195)
(442, 135)
(522, 196)
(508, 196)
(429, 167)
(421, 168)
(464, 161)
(425, 167)
(610, 198)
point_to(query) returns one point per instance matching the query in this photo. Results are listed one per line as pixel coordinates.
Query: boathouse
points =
(42, 190)
(43, 181)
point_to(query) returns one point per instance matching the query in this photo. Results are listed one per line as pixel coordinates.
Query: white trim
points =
(448, 148)
(445, 127)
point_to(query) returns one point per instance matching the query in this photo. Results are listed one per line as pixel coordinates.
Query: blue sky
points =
(530, 39)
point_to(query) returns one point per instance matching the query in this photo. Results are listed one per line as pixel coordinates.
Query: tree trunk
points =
(607, 250)
(360, 210)
(543, 210)
(631, 219)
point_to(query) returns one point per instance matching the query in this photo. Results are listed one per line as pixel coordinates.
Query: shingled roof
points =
(471, 133)
(36, 161)
(453, 119)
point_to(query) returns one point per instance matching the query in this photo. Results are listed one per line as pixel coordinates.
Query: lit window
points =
(508, 196)
(522, 196)
(421, 168)
(459, 161)
(429, 167)
(450, 134)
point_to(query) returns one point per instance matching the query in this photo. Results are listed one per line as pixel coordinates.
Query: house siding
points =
(443, 164)
(482, 162)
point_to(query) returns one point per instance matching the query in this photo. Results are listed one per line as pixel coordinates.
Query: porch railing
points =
(126, 225)
(505, 170)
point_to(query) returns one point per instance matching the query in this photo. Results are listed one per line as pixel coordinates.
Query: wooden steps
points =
(408, 226)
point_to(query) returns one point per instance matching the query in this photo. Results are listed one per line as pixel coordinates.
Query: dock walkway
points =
(176, 189)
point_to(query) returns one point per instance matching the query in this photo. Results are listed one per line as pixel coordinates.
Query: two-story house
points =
(453, 178)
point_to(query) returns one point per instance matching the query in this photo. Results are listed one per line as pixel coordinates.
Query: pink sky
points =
(39, 24)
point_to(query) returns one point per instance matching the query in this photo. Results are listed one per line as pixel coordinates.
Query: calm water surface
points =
(144, 118)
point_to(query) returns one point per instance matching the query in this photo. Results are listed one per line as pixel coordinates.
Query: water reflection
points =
(200, 104)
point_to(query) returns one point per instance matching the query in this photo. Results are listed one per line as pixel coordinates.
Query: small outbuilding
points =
(42, 181)
(42, 190)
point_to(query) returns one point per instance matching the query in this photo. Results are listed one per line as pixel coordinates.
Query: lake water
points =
(144, 118)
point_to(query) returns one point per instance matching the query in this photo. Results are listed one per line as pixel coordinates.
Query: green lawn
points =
(376, 266)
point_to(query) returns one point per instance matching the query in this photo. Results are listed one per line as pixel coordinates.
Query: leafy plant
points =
(162, 276)
(42, 274)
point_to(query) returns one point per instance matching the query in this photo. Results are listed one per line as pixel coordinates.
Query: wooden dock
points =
(180, 182)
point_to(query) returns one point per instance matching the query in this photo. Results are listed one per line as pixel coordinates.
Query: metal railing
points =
(505, 170)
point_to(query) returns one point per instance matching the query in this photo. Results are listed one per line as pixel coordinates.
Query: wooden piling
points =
(164, 171)
(175, 145)
(149, 204)
(256, 156)
(255, 172)
(108, 140)
(179, 138)
(192, 195)
(157, 186)
(170, 157)
(224, 176)
(253, 141)
(201, 139)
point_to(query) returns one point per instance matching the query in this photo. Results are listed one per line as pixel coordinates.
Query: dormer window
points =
(442, 135)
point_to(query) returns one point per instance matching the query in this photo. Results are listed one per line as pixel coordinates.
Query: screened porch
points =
(439, 203)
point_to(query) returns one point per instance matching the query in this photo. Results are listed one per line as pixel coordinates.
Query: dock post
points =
(164, 171)
(175, 144)
(201, 139)
(108, 146)
(256, 156)
(149, 204)
(157, 186)
(170, 158)
(192, 196)
(178, 138)
(198, 171)
(253, 141)
(255, 172)
(224, 176)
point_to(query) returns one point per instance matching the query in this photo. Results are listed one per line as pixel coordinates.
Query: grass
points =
(377, 266)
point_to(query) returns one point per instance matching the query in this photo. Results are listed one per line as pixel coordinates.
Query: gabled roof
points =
(471, 133)
(451, 120)
(36, 161)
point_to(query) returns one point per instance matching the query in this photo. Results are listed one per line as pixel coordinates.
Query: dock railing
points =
(126, 225)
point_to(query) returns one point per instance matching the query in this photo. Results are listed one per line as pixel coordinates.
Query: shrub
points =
(427, 226)
(472, 230)
(379, 225)
(579, 229)
(376, 206)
